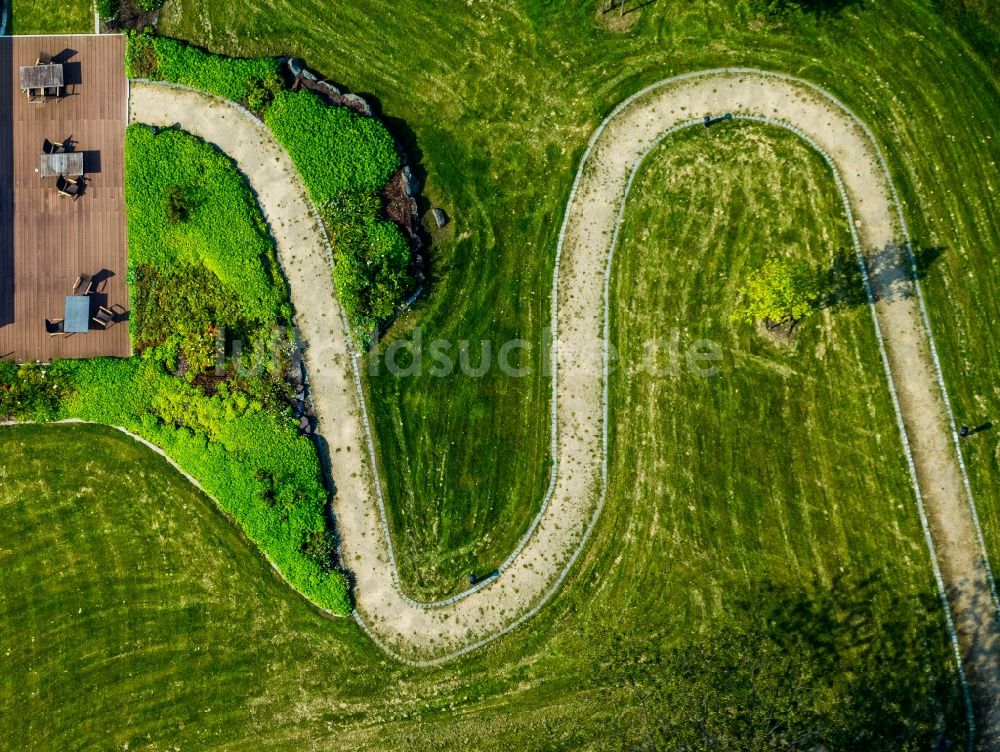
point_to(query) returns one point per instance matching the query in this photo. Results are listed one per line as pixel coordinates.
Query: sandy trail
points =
(421, 634)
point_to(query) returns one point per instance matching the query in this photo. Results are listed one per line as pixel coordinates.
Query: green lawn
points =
(764, 468)
(752, 488)
(499, 121)
(51, 17)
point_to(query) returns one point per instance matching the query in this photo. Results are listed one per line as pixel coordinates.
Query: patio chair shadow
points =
(72, 74)
(64, 56)
(100, 279)
(122, 314)
(97, 300)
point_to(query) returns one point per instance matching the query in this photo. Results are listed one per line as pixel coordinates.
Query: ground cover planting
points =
(183, 190)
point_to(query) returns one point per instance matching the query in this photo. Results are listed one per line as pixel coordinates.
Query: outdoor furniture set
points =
(76, 318)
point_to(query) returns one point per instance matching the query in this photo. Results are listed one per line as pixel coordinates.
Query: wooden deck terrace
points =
(48, 240)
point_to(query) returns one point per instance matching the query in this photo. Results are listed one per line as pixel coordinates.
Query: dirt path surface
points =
(422, 635)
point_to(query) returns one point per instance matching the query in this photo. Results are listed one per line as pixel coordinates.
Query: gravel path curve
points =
(422, 635)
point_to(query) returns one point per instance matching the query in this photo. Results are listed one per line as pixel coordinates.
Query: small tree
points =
(178, 206)
(780, 293)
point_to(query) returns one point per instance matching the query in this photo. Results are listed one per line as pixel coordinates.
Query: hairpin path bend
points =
(424, 634)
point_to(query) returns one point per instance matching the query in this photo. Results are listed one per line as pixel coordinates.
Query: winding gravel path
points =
(423, 635)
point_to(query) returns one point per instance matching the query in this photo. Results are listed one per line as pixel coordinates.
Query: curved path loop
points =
(422, 635)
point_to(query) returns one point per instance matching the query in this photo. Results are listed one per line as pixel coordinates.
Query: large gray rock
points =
(357, 104)
(327, 88)
(411, 184)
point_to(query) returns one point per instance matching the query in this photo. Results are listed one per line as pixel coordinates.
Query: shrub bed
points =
(343, 158)
(29, 391)
(108, 9)
(372, 260)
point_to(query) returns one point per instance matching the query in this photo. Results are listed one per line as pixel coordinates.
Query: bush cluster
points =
(373, 258)
(30, 391)
(108, 9)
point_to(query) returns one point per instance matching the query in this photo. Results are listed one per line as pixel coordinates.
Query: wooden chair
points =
(48, 147)
(104, 317)
(54, 327)
(84, 285)
(44, 58)
(67, 188)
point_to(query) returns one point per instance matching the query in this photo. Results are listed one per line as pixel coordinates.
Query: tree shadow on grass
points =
(890, 272)
(852, 663)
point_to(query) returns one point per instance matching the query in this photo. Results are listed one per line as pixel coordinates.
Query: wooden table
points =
(64, 163)
(41, 77)
(77, 317)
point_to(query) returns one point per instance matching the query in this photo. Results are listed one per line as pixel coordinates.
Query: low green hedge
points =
(161, 58)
